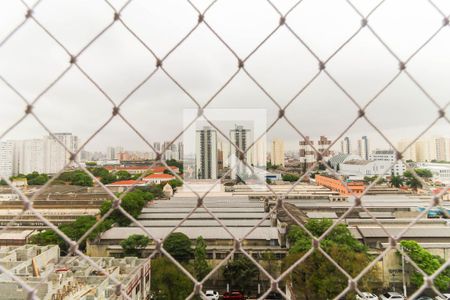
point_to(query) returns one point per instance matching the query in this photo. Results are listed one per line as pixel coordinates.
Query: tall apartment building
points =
(408, 153)
(206, 153)
(157, 146)
(29, 156)
(442, 148)
(241, 137)
(258, 153)
(55, 155)
(363, 148)
(390, 157)
(308, 156)
(6, 158)
(46, 155)
(180, 151)
(113, 153)
(323, 145)
(346, 146)
(426, 149)
(277, 153)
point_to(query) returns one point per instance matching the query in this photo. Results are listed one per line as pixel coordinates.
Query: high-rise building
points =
(346, 147)
(363, 148)
(114, 153)
(323, 145)
(28, 156)
(277, 153)
(6, 158)
(56, 157)
(180, 151)
(442, 148)
(157, 146)
(241, 137)
(408, 153)
(206, 153)
(307, 154)
(258, 153)
(425, 150)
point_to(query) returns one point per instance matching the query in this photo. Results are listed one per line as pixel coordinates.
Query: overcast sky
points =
(202, 64)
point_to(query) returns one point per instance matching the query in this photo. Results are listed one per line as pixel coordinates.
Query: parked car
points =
(392, 296)
(447, 297)
(274, 296)
(366, 296)
(212, 295)
(233, 295)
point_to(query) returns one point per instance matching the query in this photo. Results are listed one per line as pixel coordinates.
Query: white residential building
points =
(390, 157)
(441, 172)
(408, 153)
(6, 158)
(242, 139)
(28, 156)
(206, 153)
(277, 153)
(56, 157)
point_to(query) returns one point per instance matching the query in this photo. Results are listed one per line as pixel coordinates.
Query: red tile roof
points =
(162, 169)
(110, 168)
(128, 182)
(159, 176)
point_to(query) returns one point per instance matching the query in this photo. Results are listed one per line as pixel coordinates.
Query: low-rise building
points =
(358, 169)
(441, 172)
(355, 187)
(158, 178)
(123, 185)
(70, 277)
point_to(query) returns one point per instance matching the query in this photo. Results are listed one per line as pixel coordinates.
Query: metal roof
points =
(321, 215)
(208, 233)
(205, 223)
(414, 232)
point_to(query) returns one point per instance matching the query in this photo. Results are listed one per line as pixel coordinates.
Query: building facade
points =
(6, 158)
(206, 153)
(363, 147)
(277, 153)
(390, 157)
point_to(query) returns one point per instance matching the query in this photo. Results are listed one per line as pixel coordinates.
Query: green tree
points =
(99, 172)
(74, 230)
(175, 183)
(396, 181)
(175, 163)
(179, 246)
(134, 244)
(123, 175)
(428, 262)
(168, 282)
(35, 178)
(317, 277)
(133, 203)
(3, 182)
(201, 267)
(290, 177)
(412, 181)
(76, 177)
(108, 178)
(239, 273)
